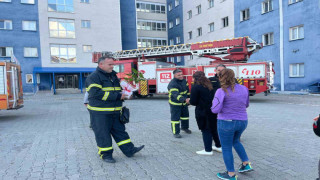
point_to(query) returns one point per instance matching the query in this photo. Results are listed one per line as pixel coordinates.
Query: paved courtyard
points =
(50, 139)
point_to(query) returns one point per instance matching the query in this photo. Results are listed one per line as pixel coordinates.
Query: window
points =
(6, 51)
(29, 78)
(177, 21)
(85, 1)
(148, 42)
(297, 70)
(61, 28)
(30, 52)
(244, 15)
(199, 9)
(170, 7)
(178, 59)
(152, 8)
(29, 25)
(294, 1)
(170, 24)
(151, 26)
(296, 33)
(176, 3)
(5, 0)
(211, 3)
(211, 27)
(267, 6)
(189, 14)
(118, 68)
(199, 31)
(61, 5)
(86, 24)
(267, 39)
(171, 42)
(61, 53)
(190, 34)
(87, 48)
(6, 24)
(178, 40)
(225, 22)
(27, 1)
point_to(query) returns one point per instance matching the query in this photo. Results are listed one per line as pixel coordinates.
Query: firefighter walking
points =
(179, 97)
(105, 103)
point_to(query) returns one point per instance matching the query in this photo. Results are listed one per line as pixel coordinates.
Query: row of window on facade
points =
(151, 25)
(176, 3)
(150, 8)
(198, 8)
(60, 28)
(60, 53)
(295, 33)
(149, 42)
(63, 5)
(225, 23)
(266, 6)
(22, 1)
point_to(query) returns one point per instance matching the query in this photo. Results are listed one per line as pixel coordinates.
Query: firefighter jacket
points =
(178, 92)
(104, 92)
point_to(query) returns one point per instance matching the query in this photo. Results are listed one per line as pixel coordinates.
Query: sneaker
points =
(245, 168)
(177, 135)
(188, 131)
(109, 159)
(204, 152)
(218, 149)
(226, 176)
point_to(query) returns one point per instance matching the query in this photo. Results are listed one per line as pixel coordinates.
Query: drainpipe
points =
(281, 46)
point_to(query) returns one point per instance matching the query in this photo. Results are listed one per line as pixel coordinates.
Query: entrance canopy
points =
(57, 70)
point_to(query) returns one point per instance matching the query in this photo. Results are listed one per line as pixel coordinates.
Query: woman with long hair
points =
(230, 102)
(202, 94)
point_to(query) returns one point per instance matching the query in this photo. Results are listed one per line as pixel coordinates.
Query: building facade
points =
(207, 20)
(175, 27)
(288, 30)
(69, 32)
(19, 37)
(144, 24)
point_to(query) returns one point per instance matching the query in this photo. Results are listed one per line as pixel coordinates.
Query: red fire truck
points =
(234, 53)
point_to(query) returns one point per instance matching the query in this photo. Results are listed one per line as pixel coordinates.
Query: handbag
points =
(124, 115)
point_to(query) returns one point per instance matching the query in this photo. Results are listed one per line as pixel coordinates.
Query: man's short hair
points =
(106, 56)
(221, 65)
(177, 71)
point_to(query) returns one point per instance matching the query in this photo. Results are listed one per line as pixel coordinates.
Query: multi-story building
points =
(19, 36)
(69, 32)
(289, 31)
(207, 20)
(175, 27)
(144, 24)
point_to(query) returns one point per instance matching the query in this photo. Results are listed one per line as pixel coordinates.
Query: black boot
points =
(188, 131)
(135, 150)
(177, 135)
(109, 159)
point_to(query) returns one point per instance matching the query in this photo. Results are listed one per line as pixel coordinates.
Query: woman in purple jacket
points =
(230, 102)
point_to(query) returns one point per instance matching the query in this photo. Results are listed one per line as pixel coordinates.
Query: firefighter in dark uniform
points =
(105, 103)
(179, 97)
(215, 79)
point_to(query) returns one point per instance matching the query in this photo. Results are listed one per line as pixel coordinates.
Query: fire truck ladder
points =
(226, 50)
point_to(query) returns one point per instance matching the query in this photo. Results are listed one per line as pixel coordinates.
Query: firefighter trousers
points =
(179, 114)
(105, 125)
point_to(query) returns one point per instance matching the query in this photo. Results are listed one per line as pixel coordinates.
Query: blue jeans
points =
(229, 133)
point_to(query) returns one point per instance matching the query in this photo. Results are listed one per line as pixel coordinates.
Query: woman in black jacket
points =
(202, 94)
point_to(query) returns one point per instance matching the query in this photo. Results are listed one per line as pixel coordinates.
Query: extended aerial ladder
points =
(228, 50)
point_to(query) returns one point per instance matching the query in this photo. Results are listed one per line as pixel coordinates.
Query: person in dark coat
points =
(316, 129)
(202, 94)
